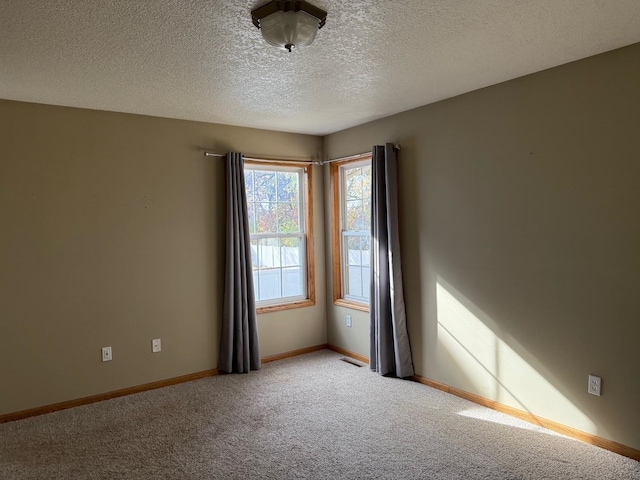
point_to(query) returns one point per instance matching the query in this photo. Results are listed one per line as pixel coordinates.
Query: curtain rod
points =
(310, 162)
(350, 157)
(267, 160)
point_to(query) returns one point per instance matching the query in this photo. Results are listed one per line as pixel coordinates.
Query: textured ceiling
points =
(204, 60)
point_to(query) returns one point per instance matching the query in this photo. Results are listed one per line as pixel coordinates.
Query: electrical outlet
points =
(106, 354)
(595, 385)
(156, 345)
(349, 321)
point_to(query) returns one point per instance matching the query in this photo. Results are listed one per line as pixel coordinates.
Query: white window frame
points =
(302, 235)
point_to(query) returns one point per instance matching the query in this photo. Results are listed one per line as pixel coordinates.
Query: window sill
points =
(341, 302)
(285, 306)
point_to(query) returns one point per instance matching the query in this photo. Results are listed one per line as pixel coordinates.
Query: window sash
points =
(300, 171)
(282, 268)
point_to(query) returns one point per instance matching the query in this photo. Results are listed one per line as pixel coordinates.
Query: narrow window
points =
(351, 184)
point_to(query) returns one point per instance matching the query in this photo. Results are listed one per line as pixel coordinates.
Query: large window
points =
(351, 184)
(279, 226)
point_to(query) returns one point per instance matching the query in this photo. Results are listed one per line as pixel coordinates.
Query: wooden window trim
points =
(336, 242)
(311, 272)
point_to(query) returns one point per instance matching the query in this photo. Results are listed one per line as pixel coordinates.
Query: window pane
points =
(248, 184)
(365, 247)
(269, 253)
(292, 282)
(353, 177)
(251, 211)
(367, 213)
(265, 186)
(291, 252)
(270, 284)
(255, 261)
(269, 274)
(354, 256)
(362, 223)
(288, 187)
(354, 215)
(266, 220)
(366, 184)
(366, 282)
(354, 283)
(288, 218)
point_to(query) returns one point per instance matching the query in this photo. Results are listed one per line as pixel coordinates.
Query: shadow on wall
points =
(490, 367)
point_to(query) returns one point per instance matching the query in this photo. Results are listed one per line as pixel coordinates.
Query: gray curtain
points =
(390, 352)
(239, 350)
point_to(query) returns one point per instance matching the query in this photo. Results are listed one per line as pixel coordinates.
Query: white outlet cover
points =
(349, 322)
(595, 385)
(107, 356)
(156, 345)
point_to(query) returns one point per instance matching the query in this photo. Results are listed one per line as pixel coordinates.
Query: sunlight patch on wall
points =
(490, 367)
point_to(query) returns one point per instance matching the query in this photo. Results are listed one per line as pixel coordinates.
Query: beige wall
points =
(111, 233)
(519, 226)
(520, 232)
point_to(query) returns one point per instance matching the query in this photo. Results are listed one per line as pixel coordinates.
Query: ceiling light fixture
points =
(288, 24)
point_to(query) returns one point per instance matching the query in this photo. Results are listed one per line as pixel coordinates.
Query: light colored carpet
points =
(312, 417)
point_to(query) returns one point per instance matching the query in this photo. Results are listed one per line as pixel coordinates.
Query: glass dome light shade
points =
(289, 29)
(288, 24)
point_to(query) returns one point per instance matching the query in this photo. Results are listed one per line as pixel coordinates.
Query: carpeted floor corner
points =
(308, 417)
